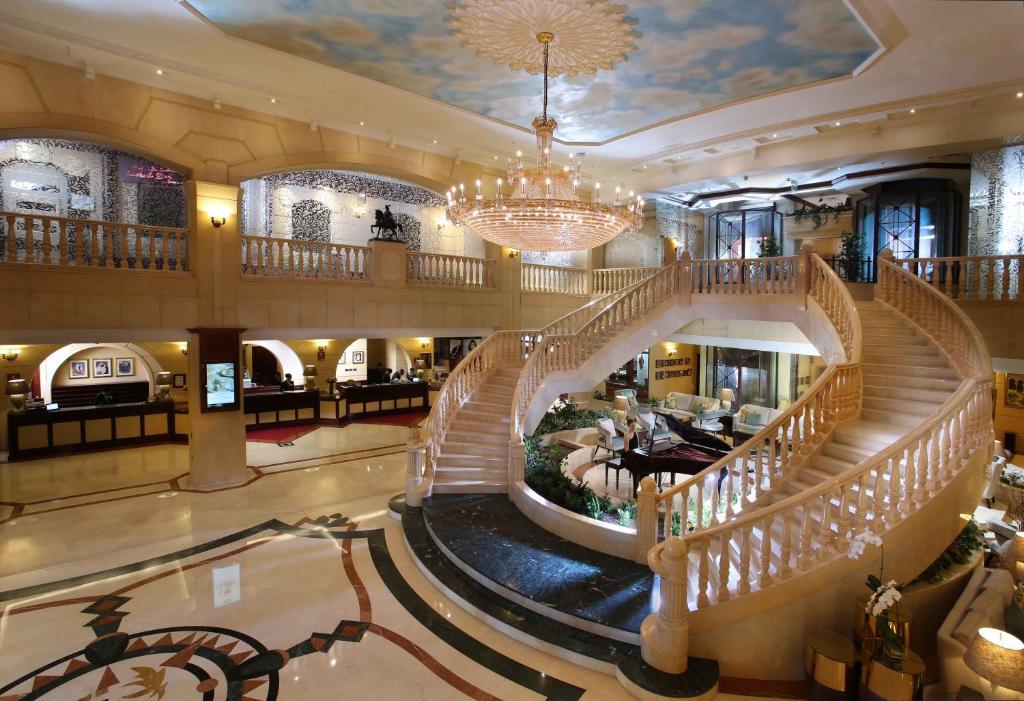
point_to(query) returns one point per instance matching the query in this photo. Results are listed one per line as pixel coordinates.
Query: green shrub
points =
(626, 512)
(971, 538)
(544, 475)
(568, 416)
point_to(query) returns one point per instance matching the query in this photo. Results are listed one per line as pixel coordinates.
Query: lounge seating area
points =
(751, 418)
(688, 406)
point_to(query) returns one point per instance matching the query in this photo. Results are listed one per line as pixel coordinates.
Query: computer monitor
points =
(52, 406)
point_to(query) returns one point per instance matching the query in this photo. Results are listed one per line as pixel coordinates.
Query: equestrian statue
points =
(386, 226)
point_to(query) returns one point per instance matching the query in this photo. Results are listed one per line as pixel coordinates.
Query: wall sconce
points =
(10, 354)
(218, 215)
(513, 253)
(183, 347)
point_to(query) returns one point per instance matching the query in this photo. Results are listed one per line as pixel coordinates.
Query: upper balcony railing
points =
(84, 244)
(265, 256)
(987, 278)
(555, 279)
(449, 271)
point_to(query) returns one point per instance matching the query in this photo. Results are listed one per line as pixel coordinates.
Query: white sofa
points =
(757, 417)
(684, 406)
(982, 605)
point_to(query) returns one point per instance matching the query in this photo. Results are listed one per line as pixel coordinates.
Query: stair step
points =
(849, 453)
(894, 347)
(866, 436)
(901, 360)
(484, 416)
(485, 407)
(891, 417)
(465, 474)
(872, 335)
(458, 460)
(493, 431)
(470, 487)
(470, 448)
(903, 406)
(814, 476)
(888, 391)
(830, 465)
(895, 374)
(914, 378)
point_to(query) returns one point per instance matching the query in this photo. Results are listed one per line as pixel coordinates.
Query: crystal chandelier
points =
(538, 208)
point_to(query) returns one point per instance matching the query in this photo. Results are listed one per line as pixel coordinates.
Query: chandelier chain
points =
(545, 113)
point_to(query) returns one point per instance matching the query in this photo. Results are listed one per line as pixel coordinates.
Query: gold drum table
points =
(884, 683)
(830, 661)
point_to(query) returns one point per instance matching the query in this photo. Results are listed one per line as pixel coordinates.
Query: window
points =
(748, 373)
(739, 234)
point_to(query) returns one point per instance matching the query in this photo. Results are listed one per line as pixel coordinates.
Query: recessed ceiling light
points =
(495, 158)
(362, 123)
(913, 110)
(1020, 94)
(837, 124)
(775, 136)
(159, 71)
(435, 140)
(273, 100)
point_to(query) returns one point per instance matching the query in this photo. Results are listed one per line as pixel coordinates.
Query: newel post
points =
(646, 518)
(516, 464)
(665, 634)
(685, 278)
(414, 457)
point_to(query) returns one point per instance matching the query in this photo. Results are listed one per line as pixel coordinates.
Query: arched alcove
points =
(396, 358)
(288, 358)
(148, 366)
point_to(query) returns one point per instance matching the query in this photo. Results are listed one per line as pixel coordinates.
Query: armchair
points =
(607, 437)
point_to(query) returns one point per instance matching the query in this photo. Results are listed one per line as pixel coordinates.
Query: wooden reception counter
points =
(38, 433)
(363, 400)
(264, 409)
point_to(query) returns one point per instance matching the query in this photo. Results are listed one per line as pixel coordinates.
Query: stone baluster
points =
(786, 545)
(30, 242)
(702, 573)
(647, 518)
(765, 577)
(664, 634)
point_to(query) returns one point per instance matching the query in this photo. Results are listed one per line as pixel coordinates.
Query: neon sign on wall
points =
(137, 170)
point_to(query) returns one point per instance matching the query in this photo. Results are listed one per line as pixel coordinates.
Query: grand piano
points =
(697, 451)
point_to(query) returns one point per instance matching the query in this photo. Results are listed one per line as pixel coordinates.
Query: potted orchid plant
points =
(884, 632)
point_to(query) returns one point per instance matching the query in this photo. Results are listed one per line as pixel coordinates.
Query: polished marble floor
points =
(295, 586)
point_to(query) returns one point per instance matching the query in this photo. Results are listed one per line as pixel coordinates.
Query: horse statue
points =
(386, 226)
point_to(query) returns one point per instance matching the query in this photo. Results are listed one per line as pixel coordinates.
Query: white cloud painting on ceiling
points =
(692, 55)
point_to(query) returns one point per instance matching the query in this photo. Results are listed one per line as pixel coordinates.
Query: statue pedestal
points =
(387, 263)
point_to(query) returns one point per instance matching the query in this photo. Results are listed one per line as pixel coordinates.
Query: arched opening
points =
(75, 366)
(361, 357)
(287, 360)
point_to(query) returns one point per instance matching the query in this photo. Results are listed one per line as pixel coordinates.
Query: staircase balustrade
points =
(720, 492)
(264, 256)
(39, 239)
(944, 322)
(449, 271)
(988, 278)
(746, 276)
(832, 295)
(555, 279)
(760, 547)
(607, 280)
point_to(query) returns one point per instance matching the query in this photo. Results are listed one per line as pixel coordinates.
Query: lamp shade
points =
(1014, 555)
(998, 657)
(621, 403)
(163, 378)
(726, 394)
(16, 387)
(309, 371)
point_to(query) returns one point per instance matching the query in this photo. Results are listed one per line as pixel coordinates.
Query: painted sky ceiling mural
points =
(692, 55)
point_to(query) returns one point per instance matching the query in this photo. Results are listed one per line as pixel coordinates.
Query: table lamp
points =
(17, 390)
(309, 372)
(997, 656)
(621, 405)
(163, 385)
(728, 397)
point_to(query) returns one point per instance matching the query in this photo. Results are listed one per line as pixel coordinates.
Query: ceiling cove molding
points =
(836, 183)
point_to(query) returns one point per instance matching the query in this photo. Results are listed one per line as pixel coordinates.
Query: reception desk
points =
(264, 409)
(39, 433)
(364, 400)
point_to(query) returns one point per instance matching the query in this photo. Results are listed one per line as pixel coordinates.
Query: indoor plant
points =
(884, 631)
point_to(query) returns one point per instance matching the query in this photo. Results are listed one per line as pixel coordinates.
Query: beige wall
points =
(657, 389)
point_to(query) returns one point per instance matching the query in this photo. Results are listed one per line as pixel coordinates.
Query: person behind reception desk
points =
(286, 384)
(374, 375)
(103, 397)
(400, 377)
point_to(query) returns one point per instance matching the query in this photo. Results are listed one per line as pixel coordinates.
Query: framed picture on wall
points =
(102, 367)
(358, 357)
(78, 369)
(178, 381)
(1014, 397)
(125, 367)
(341, 360)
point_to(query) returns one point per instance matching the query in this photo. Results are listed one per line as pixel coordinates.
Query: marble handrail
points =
(449, 271)
(988, 278)
(552, 278)
(266, 256)
(40, 239)
(606, 280)
(832, 295)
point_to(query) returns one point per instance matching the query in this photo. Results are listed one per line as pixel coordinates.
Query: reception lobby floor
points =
(295, 586)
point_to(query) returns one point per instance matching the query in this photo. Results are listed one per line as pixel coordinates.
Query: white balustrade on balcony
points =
(552, 278)
(264, 256)
(443, 270)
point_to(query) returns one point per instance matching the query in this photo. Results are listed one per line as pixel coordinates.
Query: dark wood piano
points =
(697, 451)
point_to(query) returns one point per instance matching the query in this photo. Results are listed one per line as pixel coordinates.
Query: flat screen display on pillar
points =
(221, 387)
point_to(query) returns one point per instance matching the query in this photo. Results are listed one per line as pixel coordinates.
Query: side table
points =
(881, 682)
(830, 661)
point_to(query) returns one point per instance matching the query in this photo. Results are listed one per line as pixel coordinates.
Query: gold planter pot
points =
(869, 631)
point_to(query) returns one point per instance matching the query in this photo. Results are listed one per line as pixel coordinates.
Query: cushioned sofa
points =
(983, 604)
(684, 406)
(751, 418)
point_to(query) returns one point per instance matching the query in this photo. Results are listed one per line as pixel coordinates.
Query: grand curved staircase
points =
(894, 434)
